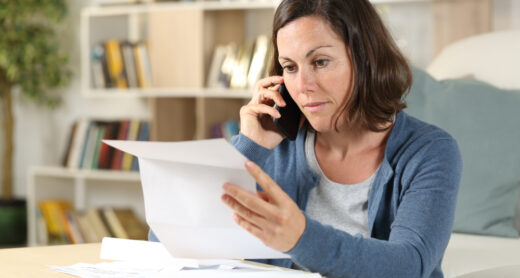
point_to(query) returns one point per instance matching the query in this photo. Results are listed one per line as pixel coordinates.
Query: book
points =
(258, 61)
(115, 63)
(68, 149)
(86, 229)
(105, 222)
(142, 64)
(134, 228)
(118, 154)
(76, 149)
(52, 212)
(105, 151)
(239, 76)
(41, 228)
(87, 151)
(94, 220)
(228, 65)
(144, 134)
(114, 223)
(229, 129)
(88, 146)
(101, 130)
(127, 49)
(72, 227)
(133, 133)
(219, 56)
(100, 74)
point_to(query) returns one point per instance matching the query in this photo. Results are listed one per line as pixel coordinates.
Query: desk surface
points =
(35, 261)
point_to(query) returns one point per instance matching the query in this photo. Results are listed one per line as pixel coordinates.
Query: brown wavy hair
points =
(381, 73)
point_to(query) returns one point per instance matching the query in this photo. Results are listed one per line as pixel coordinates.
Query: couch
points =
(472, 90)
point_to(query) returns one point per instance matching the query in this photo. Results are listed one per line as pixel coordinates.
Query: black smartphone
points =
(289, 122)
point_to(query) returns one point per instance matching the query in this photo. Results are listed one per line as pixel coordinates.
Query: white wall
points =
(41, 134)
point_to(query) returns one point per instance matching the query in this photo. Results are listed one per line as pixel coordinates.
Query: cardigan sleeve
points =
(419, 233)
(250, 149)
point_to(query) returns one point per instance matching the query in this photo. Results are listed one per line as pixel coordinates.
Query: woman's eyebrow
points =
(309, 53)
(314, 49)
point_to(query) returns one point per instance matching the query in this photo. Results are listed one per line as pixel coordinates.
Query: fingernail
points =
(249, 164)
(225, 186)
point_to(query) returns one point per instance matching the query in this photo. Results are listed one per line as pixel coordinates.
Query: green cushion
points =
(485, 121)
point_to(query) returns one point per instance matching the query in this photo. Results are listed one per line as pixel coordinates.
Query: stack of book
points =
(240, 67)
(225, 130)
(121, 64)
(86, 151)
(60, 224)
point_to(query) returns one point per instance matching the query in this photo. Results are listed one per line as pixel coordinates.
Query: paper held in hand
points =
(182, 184)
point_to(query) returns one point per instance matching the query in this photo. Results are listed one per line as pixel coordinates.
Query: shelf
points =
(168, 6)
(106, 175)
(168, 93)
(206, 6)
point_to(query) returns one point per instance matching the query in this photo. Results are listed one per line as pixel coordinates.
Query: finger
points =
(248, 226)
(270, 81)
(263, 196)
(248, 201)
(274, 95)
(244, 212)
(259, 109)
(269, 186)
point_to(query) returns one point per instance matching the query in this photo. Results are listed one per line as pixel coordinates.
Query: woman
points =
(365, 190)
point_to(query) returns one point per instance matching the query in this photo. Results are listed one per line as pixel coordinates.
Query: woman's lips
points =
(314, 106)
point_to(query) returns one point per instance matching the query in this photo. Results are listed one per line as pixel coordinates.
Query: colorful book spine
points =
(115, 63)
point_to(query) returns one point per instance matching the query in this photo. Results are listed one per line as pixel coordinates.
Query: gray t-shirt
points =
(343, 206)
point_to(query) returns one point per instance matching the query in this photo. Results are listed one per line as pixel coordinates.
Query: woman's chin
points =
(321, 127)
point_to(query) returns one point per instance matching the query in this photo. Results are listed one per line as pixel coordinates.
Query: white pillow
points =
(493, 58)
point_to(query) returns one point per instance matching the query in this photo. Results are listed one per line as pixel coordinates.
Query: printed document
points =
(182, 184)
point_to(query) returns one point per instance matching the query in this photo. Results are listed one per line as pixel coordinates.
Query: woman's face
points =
(317, 69)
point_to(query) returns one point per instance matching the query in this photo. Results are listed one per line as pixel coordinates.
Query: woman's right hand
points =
(256, 117)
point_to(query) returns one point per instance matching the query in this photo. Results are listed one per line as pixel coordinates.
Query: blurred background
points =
(168, 70)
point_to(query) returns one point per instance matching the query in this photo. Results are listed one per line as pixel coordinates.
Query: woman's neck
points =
(351, 141)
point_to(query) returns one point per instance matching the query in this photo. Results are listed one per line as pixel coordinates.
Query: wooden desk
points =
(35, 261)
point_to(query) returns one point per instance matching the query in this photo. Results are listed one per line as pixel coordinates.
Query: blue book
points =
(144, 135)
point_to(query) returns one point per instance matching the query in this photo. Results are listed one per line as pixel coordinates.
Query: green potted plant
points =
(30, 62)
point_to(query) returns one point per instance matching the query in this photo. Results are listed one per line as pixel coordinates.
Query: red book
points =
(105, 151)
(118, 155)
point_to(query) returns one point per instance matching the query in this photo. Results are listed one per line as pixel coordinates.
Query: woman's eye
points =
(289, 68)
(321, 63)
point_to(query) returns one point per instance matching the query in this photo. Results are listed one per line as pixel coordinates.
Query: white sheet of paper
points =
(182, 184)
(145, 253)
(138, 258)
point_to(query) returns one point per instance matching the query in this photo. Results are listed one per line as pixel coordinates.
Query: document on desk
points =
(182, 184)
(138, 259)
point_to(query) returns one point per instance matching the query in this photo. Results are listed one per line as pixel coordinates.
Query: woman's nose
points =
(304, 81)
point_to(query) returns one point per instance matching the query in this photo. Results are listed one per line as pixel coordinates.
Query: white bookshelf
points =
(170, 93)
(131, 20)
(135, 14)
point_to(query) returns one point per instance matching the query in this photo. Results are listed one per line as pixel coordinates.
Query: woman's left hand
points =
(271, 215)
